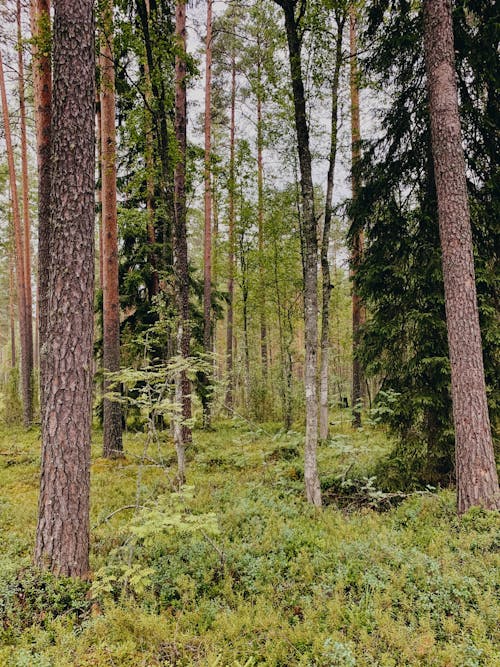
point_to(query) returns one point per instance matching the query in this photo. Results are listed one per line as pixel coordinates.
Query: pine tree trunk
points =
(42, 89)
(310, 257)
(26, 356)
(207, 242)
(62, 543)
(12, 314)
(326, 286)
(357, 242)
(112, 417)
(26, 204)
(230, 282)
(477, 480)
(182, 434)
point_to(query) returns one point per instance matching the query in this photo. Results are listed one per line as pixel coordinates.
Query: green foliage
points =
(12, 407)
(241, 570)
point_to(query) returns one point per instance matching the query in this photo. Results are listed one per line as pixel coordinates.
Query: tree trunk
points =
(42, 89)
(26, 204)
(62, 542)
(477, 480)
(357, 242)
(12, 314)
(310, 256)
(230, 282)
(207, 263)
(26, 356)
(260, 216)
(325, 242)
(112, 416)
(182, 433)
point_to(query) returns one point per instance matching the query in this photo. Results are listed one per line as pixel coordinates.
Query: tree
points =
(26, 342)
(62, 540)
(207, 243)
(326, 286)
(477, 480)
(357, 240)
(42, 89)
(309, 244)
(182, 432)
(112, 418)
(230, 282)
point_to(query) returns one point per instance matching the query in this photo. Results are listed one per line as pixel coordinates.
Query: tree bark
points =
(310, 255)
(326, 286)
(207, 242)
(62, 542)
(26, 356)
(357, 242)
(477, 479)
(182, 432)
(42, 89)
(112, 416)
(260, 216)
(12, 314)
(230, 282)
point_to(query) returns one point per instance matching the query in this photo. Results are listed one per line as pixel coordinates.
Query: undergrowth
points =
(237, 569)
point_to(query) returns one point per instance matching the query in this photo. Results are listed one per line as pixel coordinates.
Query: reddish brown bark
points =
(357, 242)
(26, 355)
(62, 543)
(12, 314)
(182, 434)
(42, 89)
(112, 418)
(230, 282)
(477, 480)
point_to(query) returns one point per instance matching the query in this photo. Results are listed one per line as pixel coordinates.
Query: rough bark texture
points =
(310, 255)
(230, 282)
(26, 356)
(42, 90)
(477, 480)
(326, 286)
(112, 417)
(62, 542)
(182, 432)
(207, 241)
(357, 242)
(26, 204)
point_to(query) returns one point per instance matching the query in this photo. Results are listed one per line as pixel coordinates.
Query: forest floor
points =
(239, 571)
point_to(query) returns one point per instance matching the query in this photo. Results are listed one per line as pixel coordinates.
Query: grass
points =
(239, 570)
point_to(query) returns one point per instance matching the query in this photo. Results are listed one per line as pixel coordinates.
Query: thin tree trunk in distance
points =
(12, 312)
(310, 256)
(230, 283)
(112, 416)
(477, 479)
(62, 542)
(26, 358)
(207, 263)
(260, 208)
(26, 201)
(42, 89)
(357, 242)
(325, 242)
(182, 434)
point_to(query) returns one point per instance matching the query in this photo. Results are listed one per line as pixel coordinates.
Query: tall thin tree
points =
(182, 432)
(42, 89)
(326, 286)
(357, 241)
(26, 358)
(112, 418)
(477, 479)
(231, 233)
(62, 541)
(309, 246)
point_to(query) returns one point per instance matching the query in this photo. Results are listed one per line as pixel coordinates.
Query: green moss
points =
(271, 582)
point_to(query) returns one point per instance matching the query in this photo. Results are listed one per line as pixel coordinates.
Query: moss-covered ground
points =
(239, 570)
